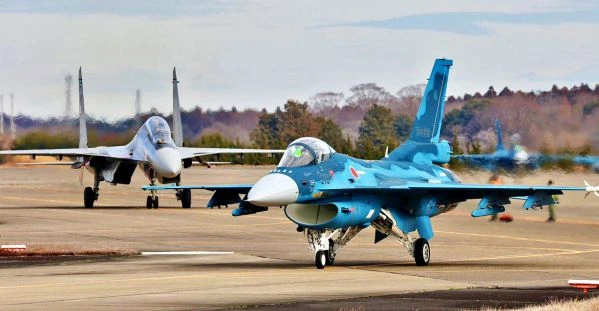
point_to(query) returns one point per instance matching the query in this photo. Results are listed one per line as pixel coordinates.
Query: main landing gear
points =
(90, 195)
(184, 195)
(417, 248)
(422, 252)
(325, 243)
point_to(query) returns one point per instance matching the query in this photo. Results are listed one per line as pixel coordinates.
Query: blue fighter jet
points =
(503, 159)
(517, 158)
(332, 196)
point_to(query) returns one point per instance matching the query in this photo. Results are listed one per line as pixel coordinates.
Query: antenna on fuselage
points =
(177, 126)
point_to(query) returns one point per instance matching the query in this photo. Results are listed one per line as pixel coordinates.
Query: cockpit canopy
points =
(305, 151)
(158, 131)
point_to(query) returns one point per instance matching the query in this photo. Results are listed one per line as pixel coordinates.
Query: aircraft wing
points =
(492, 197)
(239, 188)
(116, 152)
(463, 191)
(223, 194)
(499, 195)
(191, 152)
(586, 160)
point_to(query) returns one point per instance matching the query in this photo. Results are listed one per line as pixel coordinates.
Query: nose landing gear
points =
(152, 202)
(325, 243)
(152, 199)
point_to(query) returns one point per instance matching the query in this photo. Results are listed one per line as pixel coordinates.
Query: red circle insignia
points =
(354, 172)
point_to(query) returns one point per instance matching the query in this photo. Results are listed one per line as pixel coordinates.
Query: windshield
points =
(158, 131)
(305, 151)
(296, 155)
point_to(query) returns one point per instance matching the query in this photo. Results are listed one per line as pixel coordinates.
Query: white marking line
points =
(185, 253)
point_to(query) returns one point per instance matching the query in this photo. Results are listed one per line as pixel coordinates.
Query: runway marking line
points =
(518, 238)
(185, 253)
(524, 256)
(485, 258)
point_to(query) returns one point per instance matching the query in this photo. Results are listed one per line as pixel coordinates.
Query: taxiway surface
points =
(264, 260)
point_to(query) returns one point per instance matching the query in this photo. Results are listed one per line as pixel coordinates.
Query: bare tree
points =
(324, 101)
(367, 94)
(411, 91)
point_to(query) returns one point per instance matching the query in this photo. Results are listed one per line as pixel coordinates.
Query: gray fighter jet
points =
(158, 152)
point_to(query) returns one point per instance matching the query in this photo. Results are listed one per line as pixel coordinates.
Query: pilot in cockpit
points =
(306, 151)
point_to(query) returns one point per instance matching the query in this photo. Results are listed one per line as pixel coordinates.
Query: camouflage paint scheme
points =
(407, 183)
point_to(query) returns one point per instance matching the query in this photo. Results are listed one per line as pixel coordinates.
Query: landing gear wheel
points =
(330, 253)
(320, 260)
(149, 202)
(89, 196)
(422, 252)
(155, 202)
(186, 198)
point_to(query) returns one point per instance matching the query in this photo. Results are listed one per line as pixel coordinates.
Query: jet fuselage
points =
(153, 144)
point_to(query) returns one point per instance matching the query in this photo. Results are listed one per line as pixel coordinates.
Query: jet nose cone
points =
(168, 162)
(273, 190)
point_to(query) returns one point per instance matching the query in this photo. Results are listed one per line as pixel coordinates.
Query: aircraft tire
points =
(155, 202)
(149, 202)
(186, 198)
(88, 197)
(422, 252)
(320, 260)
(330, 253)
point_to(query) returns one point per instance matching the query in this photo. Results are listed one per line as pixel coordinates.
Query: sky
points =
(257, 54)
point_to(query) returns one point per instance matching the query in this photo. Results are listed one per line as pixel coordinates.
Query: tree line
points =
(365, 123)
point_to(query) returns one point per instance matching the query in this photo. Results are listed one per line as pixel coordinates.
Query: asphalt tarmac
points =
(260, 261)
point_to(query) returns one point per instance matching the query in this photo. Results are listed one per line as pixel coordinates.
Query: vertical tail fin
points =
(500, 145)
(82, 115)
(427, 126)
(424, 146)
(177, 126)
